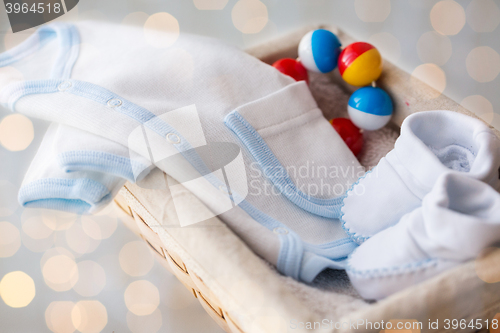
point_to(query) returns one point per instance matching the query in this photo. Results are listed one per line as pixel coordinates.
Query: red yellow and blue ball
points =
(360, 64)
(319, 51)
(370, 108)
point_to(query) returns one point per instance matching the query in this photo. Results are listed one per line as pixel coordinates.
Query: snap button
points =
(173, 138)
(114, 102)
(280, 231)
(224, 189)
(65, 86)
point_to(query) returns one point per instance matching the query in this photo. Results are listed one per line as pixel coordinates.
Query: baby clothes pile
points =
(252, 144)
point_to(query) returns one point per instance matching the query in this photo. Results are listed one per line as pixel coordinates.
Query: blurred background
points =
(64, 273)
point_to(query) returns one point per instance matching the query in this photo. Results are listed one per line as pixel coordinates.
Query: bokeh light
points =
(99, 226)
(372, 10)
(161, 30)
(55, 220)
(433, 47)
(144, 324)
(91, 278)
(480, 105)
(79, 241)
(60, 272)
(38, 245)
(17, 289)
(448, 17)
(249, 16)
(58, 317)
(432, 75)
(35, 228)
(483, 15)
(89, 316)
(487, 265)
(142, 297)
(136, 258)
(210, 4)
(10, 239)
(483, 64)
(8, 198)
(387, 44)
(135, 18)
(16, 132)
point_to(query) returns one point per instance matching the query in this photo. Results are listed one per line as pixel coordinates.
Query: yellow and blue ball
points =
(319, 51)
(360, 64)
(370, 108)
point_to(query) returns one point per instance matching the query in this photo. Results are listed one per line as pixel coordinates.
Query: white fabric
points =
(214, 78)
(47, 185)
(458, 218)
(431, 143)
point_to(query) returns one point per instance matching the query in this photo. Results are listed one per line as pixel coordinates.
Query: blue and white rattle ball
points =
(370, 108)
(319, 51)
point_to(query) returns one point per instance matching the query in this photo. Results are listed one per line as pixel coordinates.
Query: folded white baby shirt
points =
(47, 185)
(458, 219)
(431, 144)
(249, 141)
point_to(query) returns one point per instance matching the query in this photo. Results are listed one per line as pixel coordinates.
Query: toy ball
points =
(360, 64)
(293, 68)
(370, 108)
(352, 135)
(319, 51)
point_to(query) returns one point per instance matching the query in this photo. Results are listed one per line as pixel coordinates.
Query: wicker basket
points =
(209, 271)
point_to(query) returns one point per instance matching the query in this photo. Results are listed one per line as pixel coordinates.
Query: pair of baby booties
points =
(429, 205)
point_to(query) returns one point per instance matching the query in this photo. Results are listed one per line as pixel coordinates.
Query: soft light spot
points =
(54, 252)
(60, 272)
(99, 227)
(16, 132)
(8, 198)
(487, 265)
(136, 258)
(10, 239)
(38, 245)
(161, 30)
(387, 44)
(144, 324)
(210, 4)
(57, 220)
(372, 10)
(135, 18)
(89, 316)
(432, 75)
(433, 47)
(58, 317)
(79, 241)
(481, 106)
(483, 64)
(17, 289)
(35, 228)
(249, 16)
(448, 17)
(483, 15)
(91, 278)
(142, 298)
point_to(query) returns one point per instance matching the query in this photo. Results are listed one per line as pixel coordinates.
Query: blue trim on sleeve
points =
(72, 195)
(86, 160)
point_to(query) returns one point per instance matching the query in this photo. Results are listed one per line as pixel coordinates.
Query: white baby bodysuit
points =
(249, 141)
